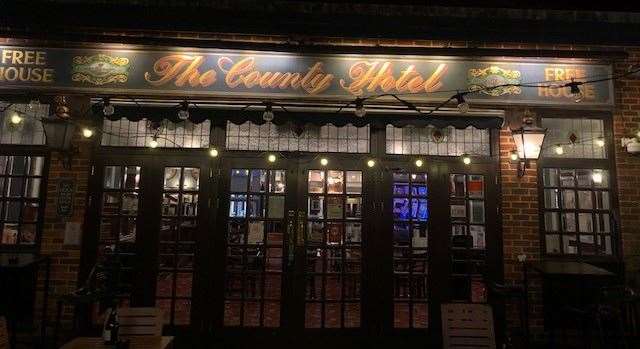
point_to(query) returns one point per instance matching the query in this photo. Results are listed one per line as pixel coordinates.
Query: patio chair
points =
(138, 322)
(4, 334)
(466, 325)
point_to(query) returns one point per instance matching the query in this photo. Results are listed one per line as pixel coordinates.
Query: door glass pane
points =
(333, 257)
(468, 237)
(354, 182)
(177, 242)
(316, 181)
(335, 182)
(255, 242)
(410, 248)
(118, 219)
(239, 180)
(258, 181)
(277, 181)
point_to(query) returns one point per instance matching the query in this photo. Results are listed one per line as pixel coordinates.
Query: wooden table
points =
(164, 342)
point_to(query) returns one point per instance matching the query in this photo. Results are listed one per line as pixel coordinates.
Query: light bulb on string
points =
(153, 143)
(272, 158)
(559, 149)
(466, 159)
(183, 112)
(324, 161)
(463, 106)
(371, 163)
(574, 89)
(107, 109)
(16, 119)
(213, 152)
(268, 115)
(419, 163)
(596, 176)
(87, 132)
(360, 111)
(514, 155)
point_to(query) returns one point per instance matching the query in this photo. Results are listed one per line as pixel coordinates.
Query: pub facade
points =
(255, 191)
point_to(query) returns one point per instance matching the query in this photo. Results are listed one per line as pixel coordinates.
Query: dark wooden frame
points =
(377, 304)
(31, 150)
(607, 164)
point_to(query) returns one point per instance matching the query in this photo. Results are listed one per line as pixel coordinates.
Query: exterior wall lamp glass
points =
(528, 139)
(59, 132)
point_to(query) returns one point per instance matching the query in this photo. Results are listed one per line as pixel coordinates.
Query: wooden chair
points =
(137, 322)
(4, 334)
(466, 325)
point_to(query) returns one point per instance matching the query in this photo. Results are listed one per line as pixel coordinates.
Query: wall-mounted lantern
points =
(528, 139)
(59, 131)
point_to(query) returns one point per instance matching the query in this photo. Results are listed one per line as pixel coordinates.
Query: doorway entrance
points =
(294, 242)
(310, 246)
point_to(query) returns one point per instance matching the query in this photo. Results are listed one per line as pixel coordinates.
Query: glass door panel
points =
(255, 237)
(468, 237)
(333, 248)
(118, 221)
(177, 243)
(410, 242)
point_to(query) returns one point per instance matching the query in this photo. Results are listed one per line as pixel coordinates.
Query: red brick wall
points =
(65, 258)
(626, 122)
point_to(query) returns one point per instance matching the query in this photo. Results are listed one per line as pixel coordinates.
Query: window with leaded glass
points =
(579, 138)
(429, 140)
(287, 137)
(29, 131)
(21, 190)
(577, 212)
(184, 134)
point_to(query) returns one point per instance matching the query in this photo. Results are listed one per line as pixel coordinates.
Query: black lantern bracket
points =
(59, 133)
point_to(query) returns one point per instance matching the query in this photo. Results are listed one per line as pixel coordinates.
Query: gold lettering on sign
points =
(245, 74)
(563, 75)
(181, 69)
(371, 76)
(24, 66)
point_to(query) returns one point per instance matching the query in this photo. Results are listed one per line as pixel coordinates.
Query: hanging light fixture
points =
(528, 139)
(324, 161)
(419, 163)
(272, 158)
(268, 115)
(213, 152)
(59, 131)
(466, 159)
(183, 112)
(360, 111)
(371, 163)
(107, 108)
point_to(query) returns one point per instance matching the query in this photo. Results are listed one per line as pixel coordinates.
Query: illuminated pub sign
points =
(238, 73)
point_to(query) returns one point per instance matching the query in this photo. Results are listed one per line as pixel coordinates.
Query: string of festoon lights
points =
(573, 86)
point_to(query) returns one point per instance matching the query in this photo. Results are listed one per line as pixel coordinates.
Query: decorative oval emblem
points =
(100, 69)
